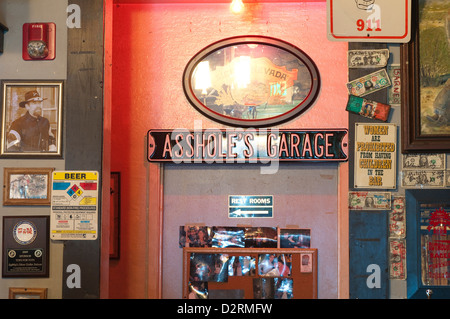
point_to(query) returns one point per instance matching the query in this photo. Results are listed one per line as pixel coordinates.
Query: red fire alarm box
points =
(39, 41)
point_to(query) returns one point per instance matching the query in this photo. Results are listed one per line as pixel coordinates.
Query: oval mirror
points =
(251, 81)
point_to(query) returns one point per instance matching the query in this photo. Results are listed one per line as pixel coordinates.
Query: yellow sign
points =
(74, 211)
(75, 176)
(375, 155)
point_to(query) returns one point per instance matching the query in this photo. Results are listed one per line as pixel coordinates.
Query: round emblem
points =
(24, 232)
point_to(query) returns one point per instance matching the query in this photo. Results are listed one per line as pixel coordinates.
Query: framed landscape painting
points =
(426, 80)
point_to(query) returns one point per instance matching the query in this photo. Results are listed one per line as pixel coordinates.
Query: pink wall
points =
(152, 43)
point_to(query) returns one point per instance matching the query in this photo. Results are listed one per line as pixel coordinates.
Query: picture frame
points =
(416, 201)
(25, 247)
(26, 186)
(27, 293)
(250, 89)
(425, 124)
(32, 119)
(114, 241)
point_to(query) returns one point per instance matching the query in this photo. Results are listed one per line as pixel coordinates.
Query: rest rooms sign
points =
(369, 20)
(250, 206)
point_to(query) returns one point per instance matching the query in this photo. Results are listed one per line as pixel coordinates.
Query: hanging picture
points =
(251, 81)
(25, 246)
(26, 186)
(425, 80)
(32, 119)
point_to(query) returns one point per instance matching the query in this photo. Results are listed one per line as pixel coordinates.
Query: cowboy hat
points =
(31, 96)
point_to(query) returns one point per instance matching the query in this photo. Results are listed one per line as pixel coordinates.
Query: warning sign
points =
(369, 20)
(74, 205)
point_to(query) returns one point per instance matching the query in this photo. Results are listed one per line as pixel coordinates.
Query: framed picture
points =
(427, 235)
(251, 81)
(25, 246)
(26, 186)
(31, 119)
(27, 293)
(114, 241)
(426, 80)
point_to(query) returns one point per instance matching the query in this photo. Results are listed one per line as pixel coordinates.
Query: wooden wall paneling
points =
(368, 231)
(83, 129)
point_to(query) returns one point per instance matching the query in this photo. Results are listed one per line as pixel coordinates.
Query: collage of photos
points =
(243, 237)
(273, 281)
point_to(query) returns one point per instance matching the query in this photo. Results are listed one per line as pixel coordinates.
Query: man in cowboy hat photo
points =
(31, 132)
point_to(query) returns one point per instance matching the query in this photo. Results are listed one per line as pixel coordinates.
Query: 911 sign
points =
(369, 20)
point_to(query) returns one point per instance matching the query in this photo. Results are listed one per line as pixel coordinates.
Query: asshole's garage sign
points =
(246, 145)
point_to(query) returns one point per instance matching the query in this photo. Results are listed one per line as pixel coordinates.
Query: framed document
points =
(25, 246)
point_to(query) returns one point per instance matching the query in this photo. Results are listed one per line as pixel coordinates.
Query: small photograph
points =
(195, 236)
(273, 265)
(295, 238)
(27, 293)
(228, 237)
(283, 288)
(261, 237)
(198, 290)
(209, 267)
(26, 186)
(241, 266)
(306, 263)
(263, 288)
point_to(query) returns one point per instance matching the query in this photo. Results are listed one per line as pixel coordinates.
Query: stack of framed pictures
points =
(249, 273)
(243, 237)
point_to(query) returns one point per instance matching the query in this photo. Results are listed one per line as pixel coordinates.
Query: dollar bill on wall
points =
(423, 161)
(367, 58)
(423, 178)
(397, 259)
(369, 83)
(397, 218)
(369, 200)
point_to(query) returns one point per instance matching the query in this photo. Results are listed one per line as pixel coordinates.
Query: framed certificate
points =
(25, 246)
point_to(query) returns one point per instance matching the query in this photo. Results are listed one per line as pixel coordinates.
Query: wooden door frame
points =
(156, 193)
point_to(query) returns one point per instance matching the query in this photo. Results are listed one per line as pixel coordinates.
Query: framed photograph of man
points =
(31, 118)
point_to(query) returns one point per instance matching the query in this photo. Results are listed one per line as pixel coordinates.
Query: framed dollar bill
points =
(425, 86)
